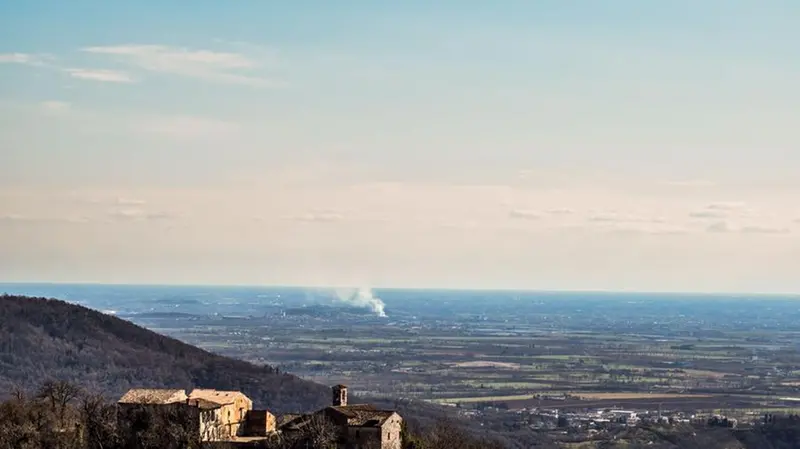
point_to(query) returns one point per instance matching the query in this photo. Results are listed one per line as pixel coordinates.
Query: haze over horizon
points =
(552, 145)
(50, 289)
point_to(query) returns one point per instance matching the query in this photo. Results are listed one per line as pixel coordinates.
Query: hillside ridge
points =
(48, 339)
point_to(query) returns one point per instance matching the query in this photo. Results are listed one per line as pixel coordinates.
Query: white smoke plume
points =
(362, 297)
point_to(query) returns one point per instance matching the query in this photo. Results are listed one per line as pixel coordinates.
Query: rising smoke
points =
(362, 297)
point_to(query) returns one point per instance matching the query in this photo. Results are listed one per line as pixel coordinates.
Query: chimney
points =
(340, 395)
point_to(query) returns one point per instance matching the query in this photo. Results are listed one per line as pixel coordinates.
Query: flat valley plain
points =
(494, 350)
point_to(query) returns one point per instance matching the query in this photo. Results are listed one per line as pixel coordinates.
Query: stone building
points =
(211, 415)
(141, 408)
(259, 423)
(229, 408)
(339, 395)
(358, 426)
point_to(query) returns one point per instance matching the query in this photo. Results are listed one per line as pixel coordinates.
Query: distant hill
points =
(42, 339)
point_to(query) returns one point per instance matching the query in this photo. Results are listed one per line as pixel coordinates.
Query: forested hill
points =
(43, 339)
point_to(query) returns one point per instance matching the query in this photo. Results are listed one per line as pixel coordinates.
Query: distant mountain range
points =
(42, 339)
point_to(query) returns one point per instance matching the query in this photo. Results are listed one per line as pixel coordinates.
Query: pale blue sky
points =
(549, 144)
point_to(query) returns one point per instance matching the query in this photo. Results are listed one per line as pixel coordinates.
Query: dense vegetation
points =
(44, 339)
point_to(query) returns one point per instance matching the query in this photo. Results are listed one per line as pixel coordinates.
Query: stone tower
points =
(340, 395)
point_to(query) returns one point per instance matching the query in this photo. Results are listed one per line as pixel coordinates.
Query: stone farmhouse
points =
(229, 416)
(358, 426)
(214, 415)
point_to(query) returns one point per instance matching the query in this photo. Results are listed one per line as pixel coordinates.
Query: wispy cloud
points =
(25, 58)
(691, 183)
(725, 227)
(50, 62)
(634, 223)
(614, 217)
(222, 67)
(649, 230)
(186, 127)
(318, 217)
(719, 227)
(524, 214)
(15, 58)
(130, 201)
(102, 75)
(55, 106)
(8, 218)
(107, 201)
(764, 230)
(468, 225)
(12, 219)
(707, 214)
(722, 210)
(726, 206)
(561, 211)
(136, 214)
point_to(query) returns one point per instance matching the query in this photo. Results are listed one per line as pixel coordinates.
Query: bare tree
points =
(98, 420)
(317, 433)
(31, 424)
(59, 395)
(447, 435)
(149, 426)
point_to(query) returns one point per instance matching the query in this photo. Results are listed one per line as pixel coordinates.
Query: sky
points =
(554, 145)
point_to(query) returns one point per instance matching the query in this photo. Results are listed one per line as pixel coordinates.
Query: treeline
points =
(60, 415)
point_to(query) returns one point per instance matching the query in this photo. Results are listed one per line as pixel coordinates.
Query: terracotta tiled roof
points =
(363, 415)
(153, 396)
(356, 416)
(215, 396)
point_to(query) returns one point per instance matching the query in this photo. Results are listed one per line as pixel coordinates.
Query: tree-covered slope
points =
(43, 339)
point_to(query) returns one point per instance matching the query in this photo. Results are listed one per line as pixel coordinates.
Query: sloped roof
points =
(287, 418)
(153, 396)
(216, 396)
(363, 415)
(295, 422)
(356, 416)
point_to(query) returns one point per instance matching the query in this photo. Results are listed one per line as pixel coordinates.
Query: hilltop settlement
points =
(228, 416)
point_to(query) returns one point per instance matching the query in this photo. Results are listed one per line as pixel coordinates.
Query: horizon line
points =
(451, 289)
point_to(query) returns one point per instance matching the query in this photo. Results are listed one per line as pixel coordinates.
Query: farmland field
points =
(505, 350)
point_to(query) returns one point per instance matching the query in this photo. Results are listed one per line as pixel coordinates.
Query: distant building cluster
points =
(214, 416)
